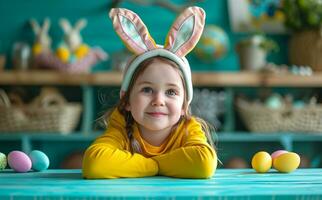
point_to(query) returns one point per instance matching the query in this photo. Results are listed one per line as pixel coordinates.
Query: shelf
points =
(58, 78)
(220, 79)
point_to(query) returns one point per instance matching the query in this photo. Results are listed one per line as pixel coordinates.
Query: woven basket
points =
(258, 118)
(84, 65)
(53, 114)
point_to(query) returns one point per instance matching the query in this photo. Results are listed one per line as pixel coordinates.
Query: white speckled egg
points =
(19, 161)
(3, 161)
(40, 160)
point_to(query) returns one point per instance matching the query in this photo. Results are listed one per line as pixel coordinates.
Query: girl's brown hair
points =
(124, 101)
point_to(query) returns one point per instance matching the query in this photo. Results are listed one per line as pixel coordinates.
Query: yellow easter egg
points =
(262, 162)
(36, 49)
(63, 54)
(287, 162)
(81, 51)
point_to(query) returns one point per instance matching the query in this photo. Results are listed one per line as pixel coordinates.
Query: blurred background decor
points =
(119, 59)
(74, 160)
(213, 44)
(254, 16)
(21, 56)
(304, 19)
(252, 51)
(209, 105)
(281, 114)
(236, 163)
(72, 54)
(2, 62)
(49, 112)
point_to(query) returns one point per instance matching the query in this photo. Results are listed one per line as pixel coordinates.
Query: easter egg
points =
(73, 161)
(277, 153)
(19, 161)
(261, 162)
(63, 54)
(81, 51)
(286, 162)
(72, 59)
(3, 161)
(305, 162)
(274, 102)
(236, 163)
(39, 159)
(36, 48)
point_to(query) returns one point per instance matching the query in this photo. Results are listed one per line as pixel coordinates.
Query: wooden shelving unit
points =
(235, 79)
(226, 80)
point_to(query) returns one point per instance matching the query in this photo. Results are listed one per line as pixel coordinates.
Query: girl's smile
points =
(156, 114)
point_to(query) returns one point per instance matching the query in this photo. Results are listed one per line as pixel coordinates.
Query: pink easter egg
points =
(275, 154)
(19, 161)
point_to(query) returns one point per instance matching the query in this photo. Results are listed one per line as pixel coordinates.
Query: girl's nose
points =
(158, 99)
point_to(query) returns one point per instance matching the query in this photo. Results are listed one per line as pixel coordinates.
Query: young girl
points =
(151, 132)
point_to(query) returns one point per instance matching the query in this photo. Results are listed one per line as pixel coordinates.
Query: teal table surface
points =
(226, 184)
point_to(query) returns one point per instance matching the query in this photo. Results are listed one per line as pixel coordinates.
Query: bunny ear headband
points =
(181, 39)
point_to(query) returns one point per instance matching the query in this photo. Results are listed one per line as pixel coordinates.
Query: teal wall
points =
(14, 16)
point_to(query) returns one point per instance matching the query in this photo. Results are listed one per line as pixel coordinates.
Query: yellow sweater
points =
(184, 154)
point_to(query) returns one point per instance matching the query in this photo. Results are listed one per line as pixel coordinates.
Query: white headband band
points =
(181, 62)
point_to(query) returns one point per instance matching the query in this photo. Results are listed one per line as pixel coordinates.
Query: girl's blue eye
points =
(147, 90)
(171, 92)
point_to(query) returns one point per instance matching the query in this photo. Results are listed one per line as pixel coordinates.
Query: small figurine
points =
(72, 55)
(73, 47)
(43, 41)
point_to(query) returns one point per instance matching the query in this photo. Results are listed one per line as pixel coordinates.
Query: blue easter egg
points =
(39, 160)
(72, 59)
(274, 102)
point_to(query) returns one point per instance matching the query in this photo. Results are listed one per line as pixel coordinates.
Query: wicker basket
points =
(50, 61)
(258, 118)
(50, 114)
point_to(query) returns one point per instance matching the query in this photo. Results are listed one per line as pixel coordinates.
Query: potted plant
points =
(253, 51)
(304, 19)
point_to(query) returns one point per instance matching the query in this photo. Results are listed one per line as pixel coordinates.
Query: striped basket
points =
(261, 119)
(51, 114)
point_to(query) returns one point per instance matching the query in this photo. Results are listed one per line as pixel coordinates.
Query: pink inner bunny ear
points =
(131, 30)
(186, 31)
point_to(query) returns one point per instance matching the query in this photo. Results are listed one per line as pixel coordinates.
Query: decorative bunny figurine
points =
(181, 38)
(72, 36)
(72, 55)
(43, 41)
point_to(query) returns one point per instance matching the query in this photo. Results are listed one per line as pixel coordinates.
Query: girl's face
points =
(156, 99)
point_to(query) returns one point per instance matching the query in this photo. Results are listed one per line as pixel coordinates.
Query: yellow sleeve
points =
(195, 159)
(107, 157)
